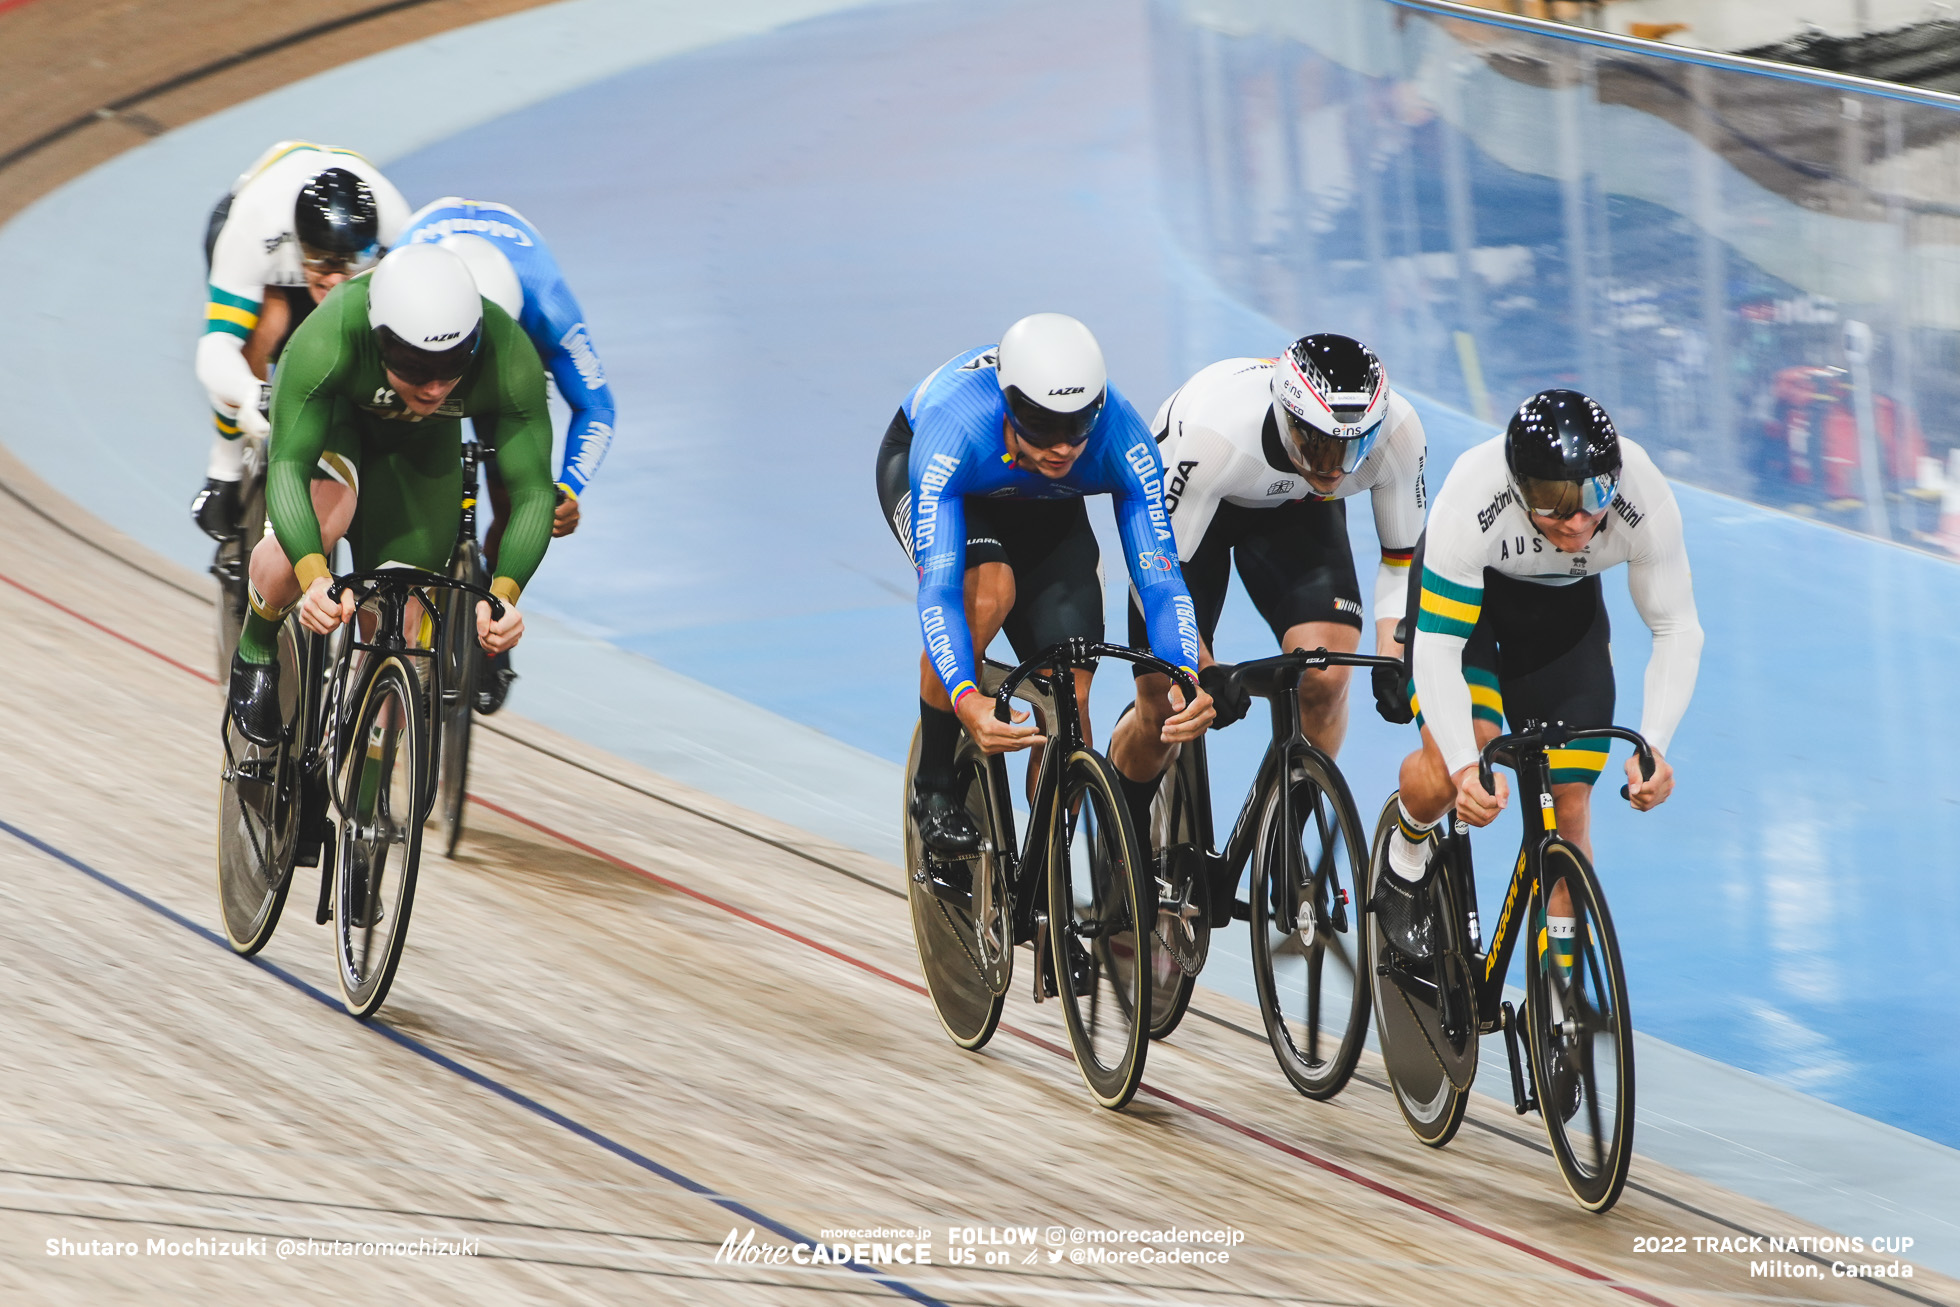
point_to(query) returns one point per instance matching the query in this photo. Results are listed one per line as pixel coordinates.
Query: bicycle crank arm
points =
(1041, 959)
(1521, 1095)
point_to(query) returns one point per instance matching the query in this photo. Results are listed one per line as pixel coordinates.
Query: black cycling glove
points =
(1229, 699)
(1392, 696)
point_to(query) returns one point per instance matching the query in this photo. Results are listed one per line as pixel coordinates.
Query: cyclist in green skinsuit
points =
(367, 437)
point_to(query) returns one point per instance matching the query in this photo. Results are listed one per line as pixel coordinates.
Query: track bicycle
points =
(1303, 839)
(1077, 890)
(349, 783)
(1578, 1034)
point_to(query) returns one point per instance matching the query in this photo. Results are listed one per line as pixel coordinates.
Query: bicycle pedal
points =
(1241, 910)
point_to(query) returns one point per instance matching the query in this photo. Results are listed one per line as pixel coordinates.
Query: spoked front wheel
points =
(259, 816)
(380, 842)
(962, 915)
(1098, 893)
(1581, 1038)
(1310, 955)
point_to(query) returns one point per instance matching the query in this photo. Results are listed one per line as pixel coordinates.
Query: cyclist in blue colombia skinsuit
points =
(981, 476)
(514, 269)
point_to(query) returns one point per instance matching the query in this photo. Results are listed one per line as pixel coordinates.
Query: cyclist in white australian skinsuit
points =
(1511, 624)
(298, 222)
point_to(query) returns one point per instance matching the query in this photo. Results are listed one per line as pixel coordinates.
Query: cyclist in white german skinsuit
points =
(301, 220)
(1259, 457)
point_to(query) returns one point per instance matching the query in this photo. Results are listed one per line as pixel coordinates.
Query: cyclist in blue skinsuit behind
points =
(514, 268)
(981, 476)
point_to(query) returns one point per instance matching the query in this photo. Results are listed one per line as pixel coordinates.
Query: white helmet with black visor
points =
(1052, 375)
(1330, 398)
(426, 312)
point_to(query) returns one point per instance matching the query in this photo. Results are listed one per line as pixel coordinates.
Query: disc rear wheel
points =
(259, 816)
(962, 915)
(1430, 1071)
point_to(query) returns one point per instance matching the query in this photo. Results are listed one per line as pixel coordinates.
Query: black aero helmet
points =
(1330, 398)
(1563, 453)
(337, 222)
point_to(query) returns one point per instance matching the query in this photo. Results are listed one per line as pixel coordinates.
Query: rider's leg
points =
(275, 589)
(1324, 693)
(1136, 746)
(989, 598)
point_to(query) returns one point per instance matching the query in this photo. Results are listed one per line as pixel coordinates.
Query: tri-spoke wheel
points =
(1310, 955)
(962, 915)
(259, 815)
(1098, 893)
(1425, 1013)
(462, 663)
(382, 791)
(1580, 1036)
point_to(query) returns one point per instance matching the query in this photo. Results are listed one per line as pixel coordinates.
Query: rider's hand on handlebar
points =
(1649, 794)
(320, 614)
(1474, 803)
(1190, 719)
(564, 518)
(1392, 696)
(1230, 700)
(976, 713)
(497, 636)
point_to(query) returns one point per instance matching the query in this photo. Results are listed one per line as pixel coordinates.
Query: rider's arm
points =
(1149, 544)
(939, 550)
(303, 400)
(1397, 497)
(1663, 591)
(516, 422)
(1452, 597)
(559, 331)
(231, 310)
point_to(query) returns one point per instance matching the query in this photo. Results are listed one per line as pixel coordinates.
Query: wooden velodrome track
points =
(631, 1019)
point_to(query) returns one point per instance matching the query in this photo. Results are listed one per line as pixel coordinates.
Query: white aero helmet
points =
(495, 279)
(1330, 397)
(426, 312)
(1051, 371)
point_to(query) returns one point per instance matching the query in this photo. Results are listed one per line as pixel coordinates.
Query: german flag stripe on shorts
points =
(1448, 608)
(231, 313)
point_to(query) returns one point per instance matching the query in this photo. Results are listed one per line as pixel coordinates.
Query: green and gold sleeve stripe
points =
(226, 427)
(1486, 700)
(1579, 762)
(230, 313)
(1448, 608)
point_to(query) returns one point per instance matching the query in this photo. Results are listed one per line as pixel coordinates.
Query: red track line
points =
(1209, 1114)
(90, 621)
(1217, 1118)
(5, 5)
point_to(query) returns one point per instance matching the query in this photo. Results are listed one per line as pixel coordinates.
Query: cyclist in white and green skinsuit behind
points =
(367, 438)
